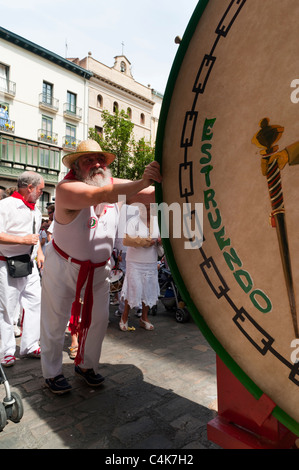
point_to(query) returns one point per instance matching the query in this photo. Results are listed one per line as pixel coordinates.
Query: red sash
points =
(86, 272)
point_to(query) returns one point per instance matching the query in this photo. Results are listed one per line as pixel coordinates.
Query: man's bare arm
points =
(76, 195)
(30, 239)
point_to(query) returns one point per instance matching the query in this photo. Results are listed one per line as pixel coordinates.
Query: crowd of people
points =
(56, 271)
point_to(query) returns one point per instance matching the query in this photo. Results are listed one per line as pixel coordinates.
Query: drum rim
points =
(246, 381)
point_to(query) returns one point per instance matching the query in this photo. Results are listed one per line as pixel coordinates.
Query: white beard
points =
(97, 178)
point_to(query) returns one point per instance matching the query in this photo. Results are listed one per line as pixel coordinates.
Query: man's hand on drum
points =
(152, 173)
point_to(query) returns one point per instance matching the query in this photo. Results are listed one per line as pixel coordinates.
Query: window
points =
(44, 157)
(47, 126)
(71, 102)
(142, 119)
(70, 135)
(100, 101)
(115, 107)
(47, 93)
(48, 158)
(129, 113)
(4, 150)
(4, 77)
(99, 130)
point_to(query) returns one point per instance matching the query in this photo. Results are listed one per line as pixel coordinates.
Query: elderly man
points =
(77, 266)
(20, 221)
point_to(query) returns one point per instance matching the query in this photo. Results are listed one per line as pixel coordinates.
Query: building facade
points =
(43, 111)
(48, 103)
(112, 88)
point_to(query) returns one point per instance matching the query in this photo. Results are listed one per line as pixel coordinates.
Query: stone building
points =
(112, 88)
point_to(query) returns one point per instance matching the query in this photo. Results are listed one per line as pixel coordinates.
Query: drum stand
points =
(244, 422)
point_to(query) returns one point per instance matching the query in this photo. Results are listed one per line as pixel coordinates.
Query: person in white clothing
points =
(43, 236)
(77, 263)
(20, 221)
(51, 210)
(141, 284)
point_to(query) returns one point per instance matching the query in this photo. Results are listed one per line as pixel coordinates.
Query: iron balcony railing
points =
(71, 111)
(49, 102)
(70, 143)
(49, 137)
(7, 86)
(7, 125)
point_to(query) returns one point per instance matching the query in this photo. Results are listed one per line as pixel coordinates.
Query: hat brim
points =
(70, 158)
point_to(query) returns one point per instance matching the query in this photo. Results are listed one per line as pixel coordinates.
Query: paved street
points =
(159, 393)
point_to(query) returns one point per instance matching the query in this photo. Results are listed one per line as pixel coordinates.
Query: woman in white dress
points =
(141, 284)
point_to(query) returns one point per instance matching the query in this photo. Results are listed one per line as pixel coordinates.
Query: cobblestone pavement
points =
(159, 393)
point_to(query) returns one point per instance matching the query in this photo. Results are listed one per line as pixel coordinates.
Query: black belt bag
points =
(19, 266)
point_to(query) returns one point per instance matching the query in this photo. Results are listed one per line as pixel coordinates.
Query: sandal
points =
(8, 360)
(146, 325)
(123, 326)
(36, 353)
(73, 352)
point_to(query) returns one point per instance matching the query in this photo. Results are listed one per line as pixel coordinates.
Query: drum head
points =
(115, 275)
(231, 103)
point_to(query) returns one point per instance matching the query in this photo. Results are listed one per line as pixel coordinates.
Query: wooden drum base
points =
(244, 422)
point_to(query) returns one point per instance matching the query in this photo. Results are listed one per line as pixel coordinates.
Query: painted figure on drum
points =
(271, 164)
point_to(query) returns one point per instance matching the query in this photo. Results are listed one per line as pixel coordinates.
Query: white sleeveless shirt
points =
(90, 236)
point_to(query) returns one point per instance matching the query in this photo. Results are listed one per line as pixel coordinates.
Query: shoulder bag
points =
(21, 265)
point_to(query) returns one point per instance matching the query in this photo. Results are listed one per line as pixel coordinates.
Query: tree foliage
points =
(131, 156)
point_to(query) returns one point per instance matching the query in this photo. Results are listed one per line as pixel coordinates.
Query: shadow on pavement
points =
(158, 394)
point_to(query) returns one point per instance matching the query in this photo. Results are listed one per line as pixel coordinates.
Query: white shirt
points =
(91, 235)
(17, 219)
(43, 234)
(136, 228)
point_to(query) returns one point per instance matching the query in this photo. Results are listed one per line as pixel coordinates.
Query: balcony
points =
(6, 125)
(18, 155)
(69, 143)
(48, 103)
(8, 88)
(49, 137)
(72, 112)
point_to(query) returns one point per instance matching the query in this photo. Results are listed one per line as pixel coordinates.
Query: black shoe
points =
(92, 379)
(58, 385)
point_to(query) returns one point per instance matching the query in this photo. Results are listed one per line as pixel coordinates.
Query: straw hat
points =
(86, 147)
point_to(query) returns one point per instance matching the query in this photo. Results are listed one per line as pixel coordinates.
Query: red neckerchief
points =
(17, 195)
(71, 176)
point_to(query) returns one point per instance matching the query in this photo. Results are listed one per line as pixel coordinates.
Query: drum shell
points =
(116, 280)
(217, 164)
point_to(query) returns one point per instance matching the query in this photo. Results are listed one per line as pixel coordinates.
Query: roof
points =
(44, 53)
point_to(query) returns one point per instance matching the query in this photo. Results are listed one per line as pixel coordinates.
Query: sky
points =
(143, 31)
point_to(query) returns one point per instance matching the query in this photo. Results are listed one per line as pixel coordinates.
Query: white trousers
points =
(58, 293)
(25, 292)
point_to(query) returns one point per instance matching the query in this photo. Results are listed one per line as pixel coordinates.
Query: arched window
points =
(115, 107)
(142, 119)
(129, 113)
(100, 101)
(123, 67)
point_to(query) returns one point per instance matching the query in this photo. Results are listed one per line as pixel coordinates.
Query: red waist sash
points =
(86, 273)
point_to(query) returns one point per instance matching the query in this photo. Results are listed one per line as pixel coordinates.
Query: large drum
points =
(228, 138)
(116, 280)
